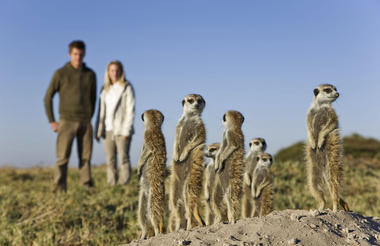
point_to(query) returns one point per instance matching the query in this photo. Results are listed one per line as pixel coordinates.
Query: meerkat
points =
(211, 151)
(187, 165)
(151, 172)
(324, 151)
(256, 147)
(262, 185)
(229, 165)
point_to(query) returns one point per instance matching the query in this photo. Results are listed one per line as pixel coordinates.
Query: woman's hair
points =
(107, 79)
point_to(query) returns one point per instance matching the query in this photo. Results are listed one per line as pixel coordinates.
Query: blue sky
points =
(263, 58)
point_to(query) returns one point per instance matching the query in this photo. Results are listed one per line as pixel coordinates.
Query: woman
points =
(115, 122)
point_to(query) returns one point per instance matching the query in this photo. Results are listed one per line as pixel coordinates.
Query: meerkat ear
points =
(250, 144)
(224, 117)
(142, 116)
(257, 158)
(183, 102)
(242, 118)
(316, 91)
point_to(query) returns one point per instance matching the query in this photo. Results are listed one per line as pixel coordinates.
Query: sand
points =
(288, 227)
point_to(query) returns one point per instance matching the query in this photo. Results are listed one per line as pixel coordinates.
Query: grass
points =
(30, 214)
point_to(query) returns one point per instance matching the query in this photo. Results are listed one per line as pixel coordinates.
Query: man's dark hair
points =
(78, 44)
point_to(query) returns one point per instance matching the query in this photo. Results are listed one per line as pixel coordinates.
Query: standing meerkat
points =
(262, 185)
(211, 151)
(187, 165)
(256, 147)
(229, 165)
(324, 151)
(151, 172)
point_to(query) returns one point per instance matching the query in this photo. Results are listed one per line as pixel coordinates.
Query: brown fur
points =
(209, 182)
(262, 188)
(151, 170)
(249, 167)
(187, 166)
(229, 166)
(324, 150)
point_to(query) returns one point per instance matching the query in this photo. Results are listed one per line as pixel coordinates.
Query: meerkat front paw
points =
(321, 143)
(312, 144)
(221, 167)
(175, 156)
(182, 157)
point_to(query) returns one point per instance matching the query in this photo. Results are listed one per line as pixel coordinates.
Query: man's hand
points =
(54, 126)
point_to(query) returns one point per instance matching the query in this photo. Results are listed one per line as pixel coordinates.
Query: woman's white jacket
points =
(123, 114)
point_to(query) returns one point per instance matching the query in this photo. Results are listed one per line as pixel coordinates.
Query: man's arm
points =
(93, 95)
(48, 100)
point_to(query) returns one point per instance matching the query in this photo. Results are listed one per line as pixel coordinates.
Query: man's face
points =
(76, 56)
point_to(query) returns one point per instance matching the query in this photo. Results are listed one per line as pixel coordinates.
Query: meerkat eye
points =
(265, 159)
(212, 149)
(327, 90)
(224, 117)
(190, 101)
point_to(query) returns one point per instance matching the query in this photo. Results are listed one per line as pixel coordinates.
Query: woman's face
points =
(114, 73)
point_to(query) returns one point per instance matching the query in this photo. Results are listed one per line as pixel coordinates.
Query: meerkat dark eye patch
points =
(191, 101)
(212, 149)
(265, 159)
(142, 117)
(256, 143)
(327, 90)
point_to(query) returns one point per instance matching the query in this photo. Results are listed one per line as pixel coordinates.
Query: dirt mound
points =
(288, 227)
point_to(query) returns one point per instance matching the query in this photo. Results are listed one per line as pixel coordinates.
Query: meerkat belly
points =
(186, 134)
(320, 119)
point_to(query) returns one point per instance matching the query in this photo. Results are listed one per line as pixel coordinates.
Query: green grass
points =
(30, 214)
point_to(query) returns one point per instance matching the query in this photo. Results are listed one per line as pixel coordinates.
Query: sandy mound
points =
(288, 227)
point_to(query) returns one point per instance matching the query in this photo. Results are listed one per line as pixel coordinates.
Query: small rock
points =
(184, 242)
(314, 213)
(313, 226)
(295, 217)
(294, 241)
(337, 226)
(346, 230)
(234, 238)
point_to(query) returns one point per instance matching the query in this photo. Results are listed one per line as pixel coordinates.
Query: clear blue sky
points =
(263, 58)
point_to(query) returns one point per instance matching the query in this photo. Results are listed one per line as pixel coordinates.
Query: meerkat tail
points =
(344, 205)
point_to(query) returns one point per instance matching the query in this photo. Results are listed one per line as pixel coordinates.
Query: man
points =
(76, 85)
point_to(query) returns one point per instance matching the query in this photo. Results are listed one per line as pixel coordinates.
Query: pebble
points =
(313, 226)
(314, 213)
(184, 242)
(293, 241)
(295, 217)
